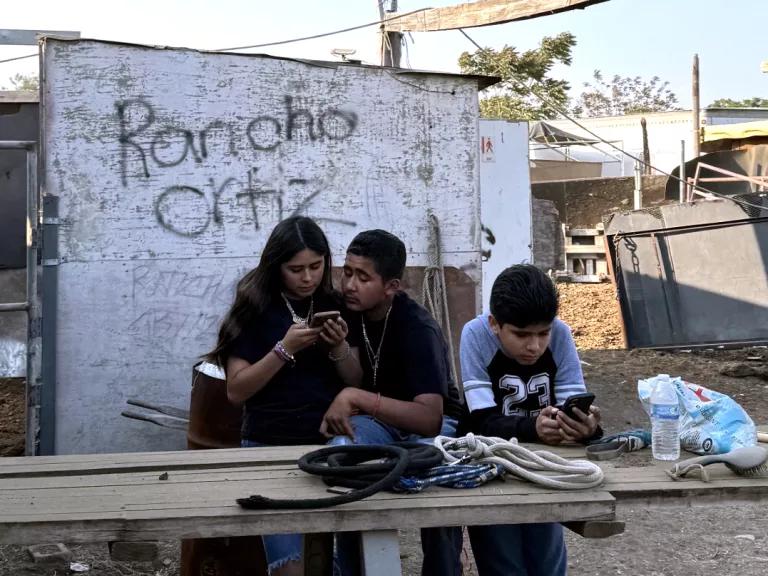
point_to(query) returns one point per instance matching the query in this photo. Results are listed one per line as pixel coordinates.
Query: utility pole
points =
(390, 41)
(646, 148)
(695, 106)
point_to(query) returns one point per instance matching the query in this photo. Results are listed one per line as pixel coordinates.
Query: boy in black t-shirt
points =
(406, 385)
(406, 374)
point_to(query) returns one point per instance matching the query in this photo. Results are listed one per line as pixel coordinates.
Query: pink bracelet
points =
(283, 354)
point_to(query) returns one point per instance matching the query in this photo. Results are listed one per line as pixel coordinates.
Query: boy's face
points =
(364, 289)
(523, 344)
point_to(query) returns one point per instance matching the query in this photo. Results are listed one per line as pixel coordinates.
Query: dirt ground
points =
(677, 541)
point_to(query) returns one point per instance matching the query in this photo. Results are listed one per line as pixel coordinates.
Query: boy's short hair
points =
(523, 295)
(385, 250)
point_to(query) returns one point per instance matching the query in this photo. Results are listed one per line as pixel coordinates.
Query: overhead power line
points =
(398, 16)
(289, 41)
(18, 58)
(565, 115)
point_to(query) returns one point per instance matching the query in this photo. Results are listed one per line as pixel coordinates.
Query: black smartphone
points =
(319, 319)
(581, 401)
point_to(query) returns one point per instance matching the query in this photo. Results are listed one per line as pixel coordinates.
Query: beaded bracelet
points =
(283, 354)
(341, 357)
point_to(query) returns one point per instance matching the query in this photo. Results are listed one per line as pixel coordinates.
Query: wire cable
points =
(18, 58)
(565, 115)
(397, 17)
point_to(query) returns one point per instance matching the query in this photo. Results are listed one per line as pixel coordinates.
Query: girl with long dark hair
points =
(284, 367)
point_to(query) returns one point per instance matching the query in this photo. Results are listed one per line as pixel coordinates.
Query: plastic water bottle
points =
(665, 420)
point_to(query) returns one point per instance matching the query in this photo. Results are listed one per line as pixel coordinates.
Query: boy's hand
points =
(547, 426)
(334, 332)
(581, 427)
(336, 420)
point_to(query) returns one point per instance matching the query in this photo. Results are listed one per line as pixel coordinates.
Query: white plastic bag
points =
(710, 422)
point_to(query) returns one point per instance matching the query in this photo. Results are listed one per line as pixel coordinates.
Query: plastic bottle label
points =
(665, 411)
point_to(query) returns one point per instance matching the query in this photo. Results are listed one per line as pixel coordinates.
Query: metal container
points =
(215, 423)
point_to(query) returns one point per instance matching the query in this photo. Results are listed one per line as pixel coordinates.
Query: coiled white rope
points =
(537, 466)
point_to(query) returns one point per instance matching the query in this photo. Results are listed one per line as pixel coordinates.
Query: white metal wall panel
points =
(172, 167)
(505, 198)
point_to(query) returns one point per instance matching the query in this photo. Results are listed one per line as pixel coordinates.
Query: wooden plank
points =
(122, 497)
(136, 493)
(381, 553)
(183, 460)
(95, 522)
(31, 37)
(145, 461)
(482, 13)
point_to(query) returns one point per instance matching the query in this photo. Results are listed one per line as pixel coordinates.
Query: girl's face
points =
(302, 274)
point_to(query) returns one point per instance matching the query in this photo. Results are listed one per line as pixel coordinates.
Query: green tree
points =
(755, 102)
(523, 74)
(624, 95)
(24, 82)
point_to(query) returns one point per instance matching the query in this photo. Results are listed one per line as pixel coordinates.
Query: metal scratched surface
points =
(691, 274)
(172, 167)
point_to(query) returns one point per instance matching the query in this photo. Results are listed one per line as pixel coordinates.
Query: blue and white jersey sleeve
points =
(478, 347)
(569, 379)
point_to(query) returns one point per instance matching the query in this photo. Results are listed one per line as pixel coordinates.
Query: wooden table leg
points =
(381, 553)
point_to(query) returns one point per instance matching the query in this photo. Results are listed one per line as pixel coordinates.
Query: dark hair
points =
(262, 285)
(523, 295)
(385, 250)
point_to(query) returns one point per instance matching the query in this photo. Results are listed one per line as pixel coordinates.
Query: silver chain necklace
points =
(374, 358)
(295, 317)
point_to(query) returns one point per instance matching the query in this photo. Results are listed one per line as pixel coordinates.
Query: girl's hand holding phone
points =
(299, 337)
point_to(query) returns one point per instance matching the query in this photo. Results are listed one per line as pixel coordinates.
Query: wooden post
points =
(646, 149)
(390, 41)
(695, 106)
(683, 192)
(638, 193)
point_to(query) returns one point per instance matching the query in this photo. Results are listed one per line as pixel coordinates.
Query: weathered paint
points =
(172, 167)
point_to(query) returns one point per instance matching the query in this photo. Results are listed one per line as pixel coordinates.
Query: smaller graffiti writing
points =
(149, 282)
(158, 324)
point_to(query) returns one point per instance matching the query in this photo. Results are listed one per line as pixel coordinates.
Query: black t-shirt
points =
(413, 358)
(290, 408)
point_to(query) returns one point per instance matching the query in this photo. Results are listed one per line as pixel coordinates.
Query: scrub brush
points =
(750, 462)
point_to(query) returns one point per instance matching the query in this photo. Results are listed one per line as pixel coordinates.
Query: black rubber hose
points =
(420, 457)
(310, 463)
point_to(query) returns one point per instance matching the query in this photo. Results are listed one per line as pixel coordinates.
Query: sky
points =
(626, 37)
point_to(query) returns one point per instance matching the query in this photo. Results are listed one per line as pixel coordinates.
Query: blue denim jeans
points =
(368, 430)
(499, 550)
(278, 548)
